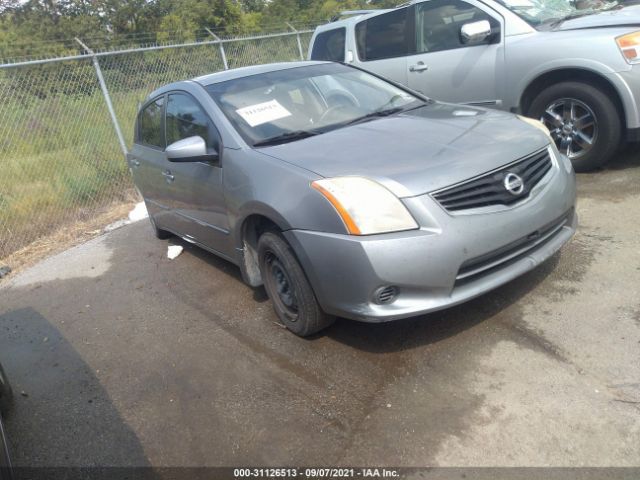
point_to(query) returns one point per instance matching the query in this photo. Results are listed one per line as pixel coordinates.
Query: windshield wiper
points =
(385, 113)
(571, 16)
(584, 13)
(376, 114)
(286, 137)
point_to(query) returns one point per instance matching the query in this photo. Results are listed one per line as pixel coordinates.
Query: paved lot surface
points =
(129, 358)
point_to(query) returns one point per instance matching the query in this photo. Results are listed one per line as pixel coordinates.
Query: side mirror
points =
(191, 149)
(475, 32)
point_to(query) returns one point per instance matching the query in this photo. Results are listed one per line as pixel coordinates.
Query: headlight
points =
(629, 46)
(559, 158)
(365, 206)
(536, 123)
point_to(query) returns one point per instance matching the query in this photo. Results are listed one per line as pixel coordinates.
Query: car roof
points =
(231, 74)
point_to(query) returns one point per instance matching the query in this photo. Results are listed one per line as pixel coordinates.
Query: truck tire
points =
(583, 121)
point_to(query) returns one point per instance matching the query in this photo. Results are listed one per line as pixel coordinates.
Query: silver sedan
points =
(347, 195)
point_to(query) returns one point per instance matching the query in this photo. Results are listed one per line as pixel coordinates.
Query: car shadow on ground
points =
(628, 157)
(408, 333)
(58, 396)
(435, 327)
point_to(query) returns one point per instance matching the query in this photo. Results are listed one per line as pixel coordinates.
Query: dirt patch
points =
(67, 237)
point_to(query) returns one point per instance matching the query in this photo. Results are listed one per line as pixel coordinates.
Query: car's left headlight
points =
(629, 46)
(365, 206)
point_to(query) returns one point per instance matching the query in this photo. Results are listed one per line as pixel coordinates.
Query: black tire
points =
(158, 232)
(288, 288)
(606, 132)
(6, 395)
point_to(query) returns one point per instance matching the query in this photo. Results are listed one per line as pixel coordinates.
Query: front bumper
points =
(454, 259)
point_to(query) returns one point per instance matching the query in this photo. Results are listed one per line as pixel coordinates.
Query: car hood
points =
(419, 151)
(618, 17)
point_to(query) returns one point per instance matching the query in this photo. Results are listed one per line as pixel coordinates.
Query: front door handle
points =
(168, 176)
(135, 163)
(419, 67)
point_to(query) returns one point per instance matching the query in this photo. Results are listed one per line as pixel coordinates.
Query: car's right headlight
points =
(365, 206)
(560, 159)
(629, 46)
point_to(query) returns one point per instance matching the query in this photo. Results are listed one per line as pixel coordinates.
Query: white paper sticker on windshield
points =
(263, 112)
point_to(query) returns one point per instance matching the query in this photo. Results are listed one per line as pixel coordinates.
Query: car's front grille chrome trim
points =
(489, 189)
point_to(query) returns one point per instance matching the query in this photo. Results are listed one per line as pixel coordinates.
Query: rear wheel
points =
(583, 122)
(288, 287)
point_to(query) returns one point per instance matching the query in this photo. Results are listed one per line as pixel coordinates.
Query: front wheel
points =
(583, 122)
(288, 287)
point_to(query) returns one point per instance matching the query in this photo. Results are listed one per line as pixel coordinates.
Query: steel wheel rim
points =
(282, 287)
(573, 126)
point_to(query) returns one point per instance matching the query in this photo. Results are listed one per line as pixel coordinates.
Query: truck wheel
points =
(582, 120)
(288, 287)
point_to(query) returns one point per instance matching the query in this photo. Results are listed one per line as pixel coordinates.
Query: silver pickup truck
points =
(574, 65)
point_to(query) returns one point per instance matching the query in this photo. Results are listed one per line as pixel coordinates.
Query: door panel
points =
(147, 166)
(199, 202)
(445, 68)
(147, 161)
(197, 197)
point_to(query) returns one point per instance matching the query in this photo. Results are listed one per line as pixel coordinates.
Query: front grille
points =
(479, 266)
(489, 189)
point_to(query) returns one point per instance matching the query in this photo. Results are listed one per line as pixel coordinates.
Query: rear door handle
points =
(419, 67)
(167, 174)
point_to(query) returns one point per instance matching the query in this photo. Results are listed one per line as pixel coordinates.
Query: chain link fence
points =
(66, 122)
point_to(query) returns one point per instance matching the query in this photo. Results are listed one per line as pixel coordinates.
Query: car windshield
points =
(549, 12)
(291, 104)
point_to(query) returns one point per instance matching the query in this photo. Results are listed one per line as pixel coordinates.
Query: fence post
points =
(222, 54)
(298, 39)
(107, 98)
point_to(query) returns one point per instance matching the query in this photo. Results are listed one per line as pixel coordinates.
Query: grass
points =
(61, 162)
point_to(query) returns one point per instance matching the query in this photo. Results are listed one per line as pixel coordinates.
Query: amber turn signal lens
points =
(629, 46)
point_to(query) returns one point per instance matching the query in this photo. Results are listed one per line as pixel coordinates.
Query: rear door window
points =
(329, 45)
(150, 131)
(385, 36)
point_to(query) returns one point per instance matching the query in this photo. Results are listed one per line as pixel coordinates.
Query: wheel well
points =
(252, 227)
(573, 75)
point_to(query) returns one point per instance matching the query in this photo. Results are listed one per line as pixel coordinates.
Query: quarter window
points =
(329, 46)
(150, 124)
(385, 36)
(439, 22)
(185, 119)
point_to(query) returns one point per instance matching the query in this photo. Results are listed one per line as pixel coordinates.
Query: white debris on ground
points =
(173, 251)
(138, 213)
